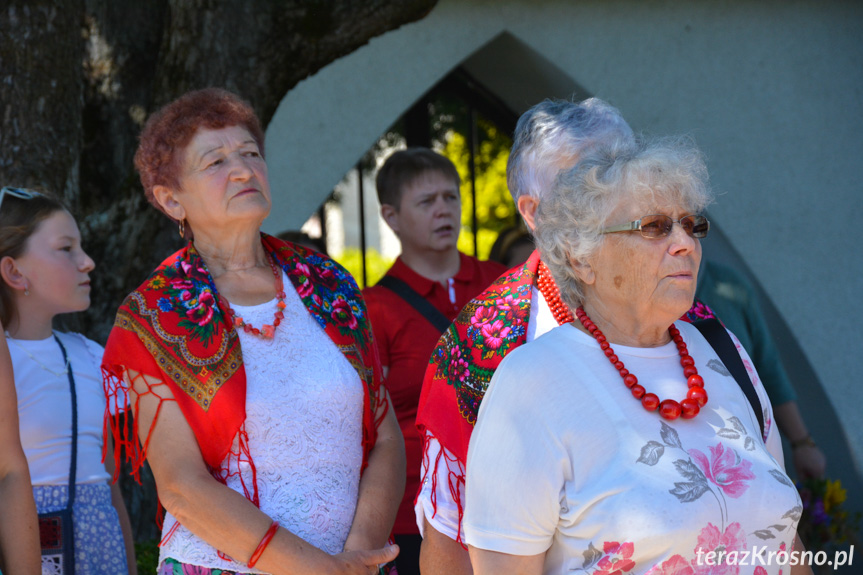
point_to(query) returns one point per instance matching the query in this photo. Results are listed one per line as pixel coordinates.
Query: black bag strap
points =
(716, 335)
(74, 463)
(416, 301)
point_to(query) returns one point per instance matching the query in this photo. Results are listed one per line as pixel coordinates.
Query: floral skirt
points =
(99, 546)
(172, 567)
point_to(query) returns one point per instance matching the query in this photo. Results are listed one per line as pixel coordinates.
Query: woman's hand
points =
(809, 460)
(364, 562)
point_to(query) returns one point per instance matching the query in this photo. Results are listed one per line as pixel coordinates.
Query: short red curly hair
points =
(168, 131)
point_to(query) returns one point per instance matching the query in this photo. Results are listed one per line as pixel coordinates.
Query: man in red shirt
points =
(418, 298)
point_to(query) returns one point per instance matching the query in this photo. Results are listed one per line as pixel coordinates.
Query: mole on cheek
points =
(618, 281)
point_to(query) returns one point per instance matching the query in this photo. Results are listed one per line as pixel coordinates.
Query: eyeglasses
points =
(19, 193)
(659, 226)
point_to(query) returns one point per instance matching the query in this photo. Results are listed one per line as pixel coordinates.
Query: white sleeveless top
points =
(45, 407)
(304, 409)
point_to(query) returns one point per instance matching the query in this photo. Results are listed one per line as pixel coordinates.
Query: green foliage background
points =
(495, 210)
(376, 264)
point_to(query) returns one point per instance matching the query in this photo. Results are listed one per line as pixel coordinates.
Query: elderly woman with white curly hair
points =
(620, 443)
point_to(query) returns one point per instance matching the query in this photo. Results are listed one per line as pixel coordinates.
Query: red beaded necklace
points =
(696, 397)
(266, 331)
(549, 290)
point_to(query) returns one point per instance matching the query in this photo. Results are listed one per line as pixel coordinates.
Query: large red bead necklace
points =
(696, 397)
(266, 331)
(549, 290)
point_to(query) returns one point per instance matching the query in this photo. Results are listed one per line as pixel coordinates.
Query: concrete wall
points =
(771, 91)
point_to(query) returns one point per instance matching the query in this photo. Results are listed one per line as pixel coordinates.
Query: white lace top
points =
(304, 407)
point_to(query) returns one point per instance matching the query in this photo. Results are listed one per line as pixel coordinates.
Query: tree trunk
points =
(41, 90)
(78, 78)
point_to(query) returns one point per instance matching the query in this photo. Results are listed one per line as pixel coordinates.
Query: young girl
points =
(45, 272)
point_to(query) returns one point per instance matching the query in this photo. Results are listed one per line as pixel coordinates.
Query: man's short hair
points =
(404, 167)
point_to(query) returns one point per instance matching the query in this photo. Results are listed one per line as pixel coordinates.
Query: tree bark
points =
(78, 78)
(41, 90)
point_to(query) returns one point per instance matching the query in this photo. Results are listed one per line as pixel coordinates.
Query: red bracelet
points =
(259, 550)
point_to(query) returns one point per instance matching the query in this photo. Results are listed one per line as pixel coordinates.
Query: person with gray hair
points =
(552, 136)
(596, 448)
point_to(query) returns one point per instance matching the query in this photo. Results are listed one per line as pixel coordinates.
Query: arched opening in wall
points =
(469, 116)
(458, 118)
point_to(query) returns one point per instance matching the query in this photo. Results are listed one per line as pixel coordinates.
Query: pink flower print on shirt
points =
(782, 549)
(725, 468)
(721, 544)
(675, 565)
(617, 559)
(750, 370)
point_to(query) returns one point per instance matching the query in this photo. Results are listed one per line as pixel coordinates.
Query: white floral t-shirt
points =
(564, 461)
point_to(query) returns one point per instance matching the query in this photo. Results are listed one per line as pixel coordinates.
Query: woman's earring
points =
(26, 289)
(182, 226)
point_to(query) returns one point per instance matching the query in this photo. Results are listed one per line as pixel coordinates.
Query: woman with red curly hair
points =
(249, 366)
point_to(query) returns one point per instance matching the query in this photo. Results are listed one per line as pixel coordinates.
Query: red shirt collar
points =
(423, 285)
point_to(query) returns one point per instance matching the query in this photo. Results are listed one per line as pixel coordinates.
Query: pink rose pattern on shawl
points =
(493, 334)
(482, 317)
(725, 469)
(343, 314)
(326, 277)
(485, 330)
(302, 276)
(458, 366)
(513, 312)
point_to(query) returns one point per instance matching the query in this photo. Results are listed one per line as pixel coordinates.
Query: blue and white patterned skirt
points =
(99, 546)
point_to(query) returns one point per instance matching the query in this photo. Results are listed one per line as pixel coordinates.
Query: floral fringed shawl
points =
(174, 329)
(464, 360)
